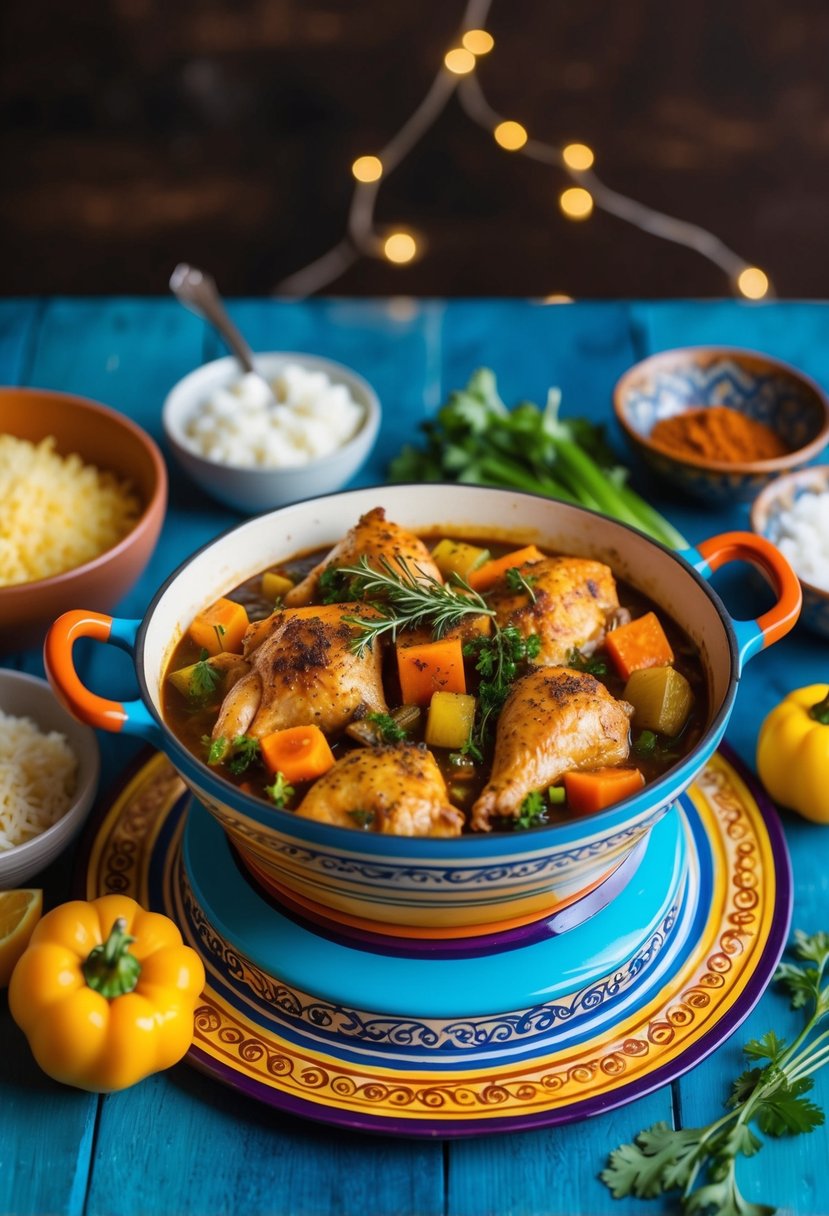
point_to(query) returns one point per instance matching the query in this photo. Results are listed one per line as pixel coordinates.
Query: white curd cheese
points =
(803, 538)
(308, 417)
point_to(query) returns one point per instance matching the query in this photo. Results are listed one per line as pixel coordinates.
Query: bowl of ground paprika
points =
(719, 422)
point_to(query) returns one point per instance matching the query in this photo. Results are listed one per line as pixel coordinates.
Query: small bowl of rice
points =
(793, 513)
(301, 428)
(49, 768)
(83, 491)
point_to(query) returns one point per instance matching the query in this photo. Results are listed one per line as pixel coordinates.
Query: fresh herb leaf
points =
(589, 663)
(204, 681)
(388, 730)
(645, 743)
(244, 751)
(498, 659)
(280, 792)
(701, 1162)
(219, 630)
(532, 813)
(516, 581)
(333, 586)
(217, 749)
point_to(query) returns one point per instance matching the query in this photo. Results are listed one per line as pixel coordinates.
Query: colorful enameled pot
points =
(473, 882)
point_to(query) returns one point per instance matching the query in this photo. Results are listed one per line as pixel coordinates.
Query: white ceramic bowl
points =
(28, 697)
(253, 490)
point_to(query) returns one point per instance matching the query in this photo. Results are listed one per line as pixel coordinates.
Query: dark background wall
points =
(137, 133)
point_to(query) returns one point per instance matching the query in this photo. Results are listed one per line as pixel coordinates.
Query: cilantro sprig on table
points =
(771, 1094)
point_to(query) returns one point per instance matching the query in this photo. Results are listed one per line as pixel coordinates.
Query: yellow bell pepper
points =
(97, 1014)
(793, 752)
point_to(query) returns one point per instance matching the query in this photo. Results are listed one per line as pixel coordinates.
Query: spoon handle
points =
(199, 293)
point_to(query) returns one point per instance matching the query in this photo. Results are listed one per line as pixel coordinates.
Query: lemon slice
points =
(19, 913)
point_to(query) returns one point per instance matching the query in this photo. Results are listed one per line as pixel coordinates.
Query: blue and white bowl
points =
(760, 387)
(474, 880)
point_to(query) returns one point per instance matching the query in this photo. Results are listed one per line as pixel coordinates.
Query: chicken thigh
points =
(305, 672)
(396, 790)
(554, 720)
(573, 598)
(372, 537)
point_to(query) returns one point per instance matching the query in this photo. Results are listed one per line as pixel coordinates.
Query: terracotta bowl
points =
(767, 517)
(477, 879)
(106, 439)
(764, 389)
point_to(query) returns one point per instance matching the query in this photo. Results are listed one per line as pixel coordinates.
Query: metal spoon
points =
(198, 292)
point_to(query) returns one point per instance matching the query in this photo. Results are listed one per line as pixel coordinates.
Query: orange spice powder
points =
(717, 432)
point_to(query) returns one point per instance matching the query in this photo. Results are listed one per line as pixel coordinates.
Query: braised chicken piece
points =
(554, 720)
(304, 672)
(398, 791)
(574, 597)
(372, 537)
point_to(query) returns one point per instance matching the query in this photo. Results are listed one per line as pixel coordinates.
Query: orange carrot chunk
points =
(220, 627)
(300, 753)
(589, 792)
(429, 668)
(488, 575)
(641, 643)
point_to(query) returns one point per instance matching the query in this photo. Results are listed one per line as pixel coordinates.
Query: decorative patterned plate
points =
(575, 1054)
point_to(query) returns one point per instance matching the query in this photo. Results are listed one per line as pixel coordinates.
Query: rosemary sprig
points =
(404, 599)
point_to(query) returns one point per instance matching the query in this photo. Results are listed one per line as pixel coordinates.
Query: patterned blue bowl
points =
(767, 520)
(760, 387)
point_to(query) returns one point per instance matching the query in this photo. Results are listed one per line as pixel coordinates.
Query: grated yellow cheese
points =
(38, 777)
(55, 511)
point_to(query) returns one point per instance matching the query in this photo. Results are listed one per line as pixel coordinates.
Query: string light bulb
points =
(367, 168)
(479, 42)
(576, 203)
(459, 60)
(753, 283)
(400, 247)
(510, 135)
(578, 157)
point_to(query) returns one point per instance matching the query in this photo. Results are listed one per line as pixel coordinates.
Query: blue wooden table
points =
(177, 1142)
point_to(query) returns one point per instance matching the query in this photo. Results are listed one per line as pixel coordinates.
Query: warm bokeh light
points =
(753, 283)
(459, 61)
(578, 156)
(400, 247)
(510, 135)
(367, 168)
(576, 203)
(558, 298)
(479, 42)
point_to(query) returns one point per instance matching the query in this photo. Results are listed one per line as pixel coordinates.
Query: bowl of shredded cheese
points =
(793, 513)
(300, 428)
(49, 767)
(82, 497)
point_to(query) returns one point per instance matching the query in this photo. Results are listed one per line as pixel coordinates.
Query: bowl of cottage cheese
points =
(300, 427)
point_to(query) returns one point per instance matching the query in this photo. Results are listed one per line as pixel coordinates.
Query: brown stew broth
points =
(191, 723)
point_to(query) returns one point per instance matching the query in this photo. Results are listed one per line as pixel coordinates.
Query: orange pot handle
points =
(754, 636)
(132, 717)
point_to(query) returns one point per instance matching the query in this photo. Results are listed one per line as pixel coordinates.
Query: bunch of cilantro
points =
(476, 439)
(771, 1095)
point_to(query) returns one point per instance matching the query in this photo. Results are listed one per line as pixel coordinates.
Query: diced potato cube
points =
(455, 557)
(275, 586)
(661, 698)
(450, 719)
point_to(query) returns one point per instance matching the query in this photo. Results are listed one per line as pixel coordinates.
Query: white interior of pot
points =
(460, 511)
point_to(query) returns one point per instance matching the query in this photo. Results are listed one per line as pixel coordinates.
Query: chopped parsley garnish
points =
(333, 586)
(204, 680)
(645, 743)
(516, 581)
(280, 792)
(588, 663)
(388, 730)
(497, 660)
(245, 750)
(217, 749)
(532, 813)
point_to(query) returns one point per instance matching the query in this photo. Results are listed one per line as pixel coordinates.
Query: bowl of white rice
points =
(300, 428)
(793, 513)
(49, 768)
